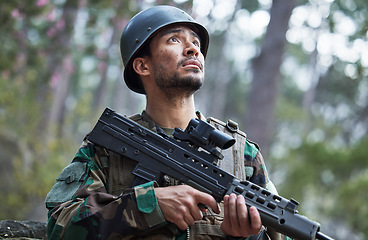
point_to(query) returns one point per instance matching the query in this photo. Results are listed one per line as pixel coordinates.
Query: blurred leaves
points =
(338, 177)
(62, 59)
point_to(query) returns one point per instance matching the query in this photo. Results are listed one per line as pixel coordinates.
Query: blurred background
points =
(292, 73)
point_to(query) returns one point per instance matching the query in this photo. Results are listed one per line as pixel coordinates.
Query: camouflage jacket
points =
(93, 199)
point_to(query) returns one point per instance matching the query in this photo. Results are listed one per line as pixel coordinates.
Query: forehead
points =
(179, 29)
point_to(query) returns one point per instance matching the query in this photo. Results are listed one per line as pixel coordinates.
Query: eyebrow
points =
(178, 30)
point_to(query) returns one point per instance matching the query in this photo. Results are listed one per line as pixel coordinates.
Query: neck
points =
(171, 112)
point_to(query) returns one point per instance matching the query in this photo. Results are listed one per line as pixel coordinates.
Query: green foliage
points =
(33, 162)
(37, 37)
(336, 87)
(324, 150)
(337, 175)
(352, 195)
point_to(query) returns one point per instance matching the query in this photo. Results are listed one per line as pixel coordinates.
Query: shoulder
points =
(251, 150)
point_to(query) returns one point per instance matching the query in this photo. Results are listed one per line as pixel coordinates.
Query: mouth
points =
(192, 63)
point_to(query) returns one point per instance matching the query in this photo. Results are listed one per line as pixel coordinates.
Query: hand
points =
(179, 204)
(237, 222)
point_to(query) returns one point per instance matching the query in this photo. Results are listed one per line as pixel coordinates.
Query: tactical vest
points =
(120, 177)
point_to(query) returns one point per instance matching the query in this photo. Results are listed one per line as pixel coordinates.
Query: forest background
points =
(292, 73)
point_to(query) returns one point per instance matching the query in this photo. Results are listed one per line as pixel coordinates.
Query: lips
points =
(192, 63)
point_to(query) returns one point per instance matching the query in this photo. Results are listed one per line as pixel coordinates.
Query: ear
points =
(140, 66)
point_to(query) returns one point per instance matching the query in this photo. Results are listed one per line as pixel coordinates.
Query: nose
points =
(191, 49)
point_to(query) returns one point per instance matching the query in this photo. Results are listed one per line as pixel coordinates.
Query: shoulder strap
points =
(233, 161)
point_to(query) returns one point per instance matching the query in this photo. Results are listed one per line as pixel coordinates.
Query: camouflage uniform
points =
(93, 197)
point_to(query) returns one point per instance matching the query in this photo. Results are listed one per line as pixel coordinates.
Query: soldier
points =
(163, 51)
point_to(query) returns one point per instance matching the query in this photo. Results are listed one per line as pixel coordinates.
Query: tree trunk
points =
(118, 24)
(259, 121)
(218, 75)
(61, 67)
(60, 94)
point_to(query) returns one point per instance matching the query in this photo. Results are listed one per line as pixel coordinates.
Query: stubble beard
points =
(175, 85)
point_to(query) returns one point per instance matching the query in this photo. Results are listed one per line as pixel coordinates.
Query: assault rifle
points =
(189, 157)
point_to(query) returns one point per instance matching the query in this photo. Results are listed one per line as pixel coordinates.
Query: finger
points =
(233, 212)
(180, 217)
(182, 224)
(242, 211)
(184, 218)
(208, 200)
(187, 211)
(255, 219)
(189, 219)
(195, 212)
(226, 206)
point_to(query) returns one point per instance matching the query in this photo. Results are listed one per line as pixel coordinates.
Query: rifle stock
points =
(158, 155)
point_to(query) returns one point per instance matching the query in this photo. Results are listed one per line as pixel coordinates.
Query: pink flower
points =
(51, 16)
(15, 13)
(60, 24)
(51, 32)
(55, 79)
(41, 3)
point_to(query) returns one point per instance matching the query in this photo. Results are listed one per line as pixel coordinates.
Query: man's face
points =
(177, 61)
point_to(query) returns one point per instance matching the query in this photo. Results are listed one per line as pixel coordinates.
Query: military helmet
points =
(142, 26)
